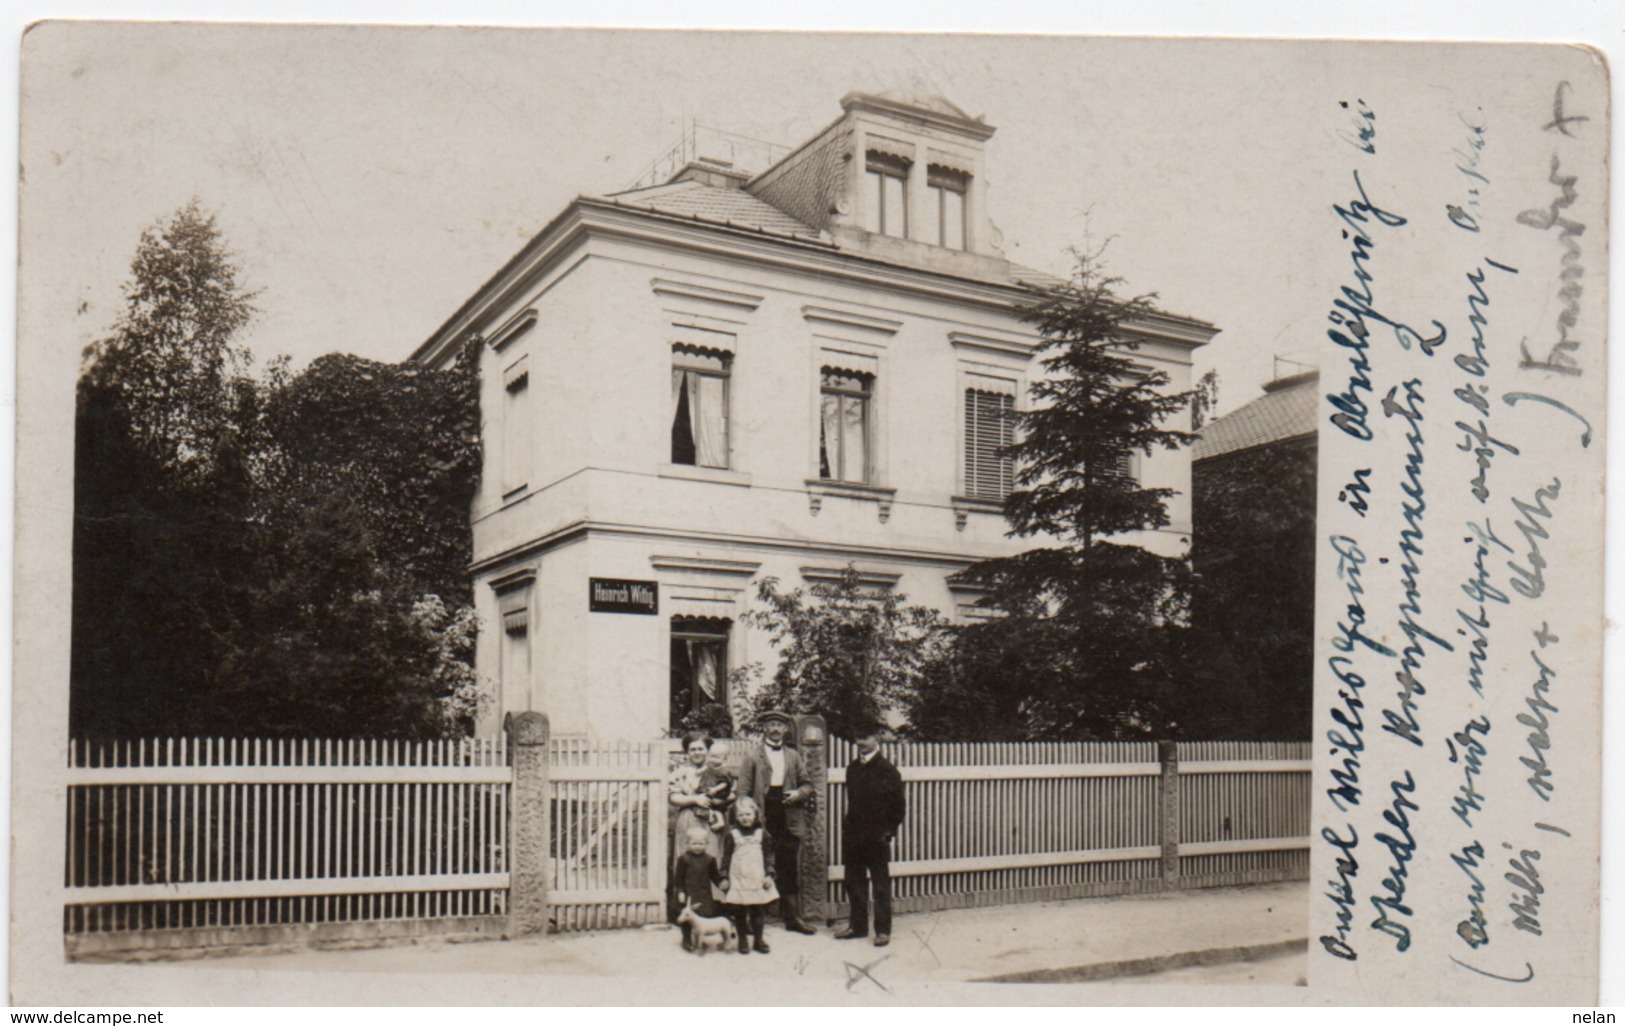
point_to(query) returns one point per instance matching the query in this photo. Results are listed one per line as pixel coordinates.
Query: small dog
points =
(706, 929)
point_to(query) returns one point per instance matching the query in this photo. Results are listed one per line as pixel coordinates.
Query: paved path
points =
(1039, 940)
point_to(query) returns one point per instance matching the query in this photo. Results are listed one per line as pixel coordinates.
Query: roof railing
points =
(705, 144)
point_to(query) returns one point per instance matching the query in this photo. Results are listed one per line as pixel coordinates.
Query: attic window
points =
(945, 217)
(885, 199)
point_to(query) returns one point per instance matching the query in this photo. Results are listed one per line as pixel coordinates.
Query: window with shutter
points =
(1122, 466)
(516, 427)
(989, 427)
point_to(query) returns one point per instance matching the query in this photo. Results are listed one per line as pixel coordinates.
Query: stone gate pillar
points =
(529, 830)
(813, 745)
(1168, 756)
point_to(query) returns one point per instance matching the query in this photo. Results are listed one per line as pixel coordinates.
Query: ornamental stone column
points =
(529, 829)
(1168, 757)
(812, 743)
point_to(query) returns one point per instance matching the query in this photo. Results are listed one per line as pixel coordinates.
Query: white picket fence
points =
(215, 842)
(206, 834)
(609, 828)
(991, 823)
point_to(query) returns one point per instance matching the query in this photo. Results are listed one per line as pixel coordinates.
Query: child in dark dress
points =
(696, 873)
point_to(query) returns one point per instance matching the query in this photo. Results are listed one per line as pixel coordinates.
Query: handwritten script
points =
(1454, 399)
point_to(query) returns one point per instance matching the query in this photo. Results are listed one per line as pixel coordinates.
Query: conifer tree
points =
(1081, 643)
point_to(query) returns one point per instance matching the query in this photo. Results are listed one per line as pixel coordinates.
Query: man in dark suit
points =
(874, 811)
(774, 777)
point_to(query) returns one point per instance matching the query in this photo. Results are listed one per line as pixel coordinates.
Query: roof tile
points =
(1287, 412)
(717, 205)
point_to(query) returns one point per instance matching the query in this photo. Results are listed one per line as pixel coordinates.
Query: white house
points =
(687, 387)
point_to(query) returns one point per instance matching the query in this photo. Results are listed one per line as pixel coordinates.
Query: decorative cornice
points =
(1171, 328)
(845, 318)
(581, 529)
(721, 567)
(516, 326)
(990, 344)
(586, 217)
(979, 130)
(833, 575)
(689, 290)
(514, 579)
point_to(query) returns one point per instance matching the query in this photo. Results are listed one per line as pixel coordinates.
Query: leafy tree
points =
(402, 442)
(716, 719)
(1204, 399)
(343, 643)
(272, 556)
(1253, 605)
(167, 439)
(173, 364)
(846, 652)
(1083, 639)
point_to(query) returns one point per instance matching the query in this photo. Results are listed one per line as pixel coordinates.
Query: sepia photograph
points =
(694, 517)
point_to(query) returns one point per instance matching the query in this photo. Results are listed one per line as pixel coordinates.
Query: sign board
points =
(611, 595)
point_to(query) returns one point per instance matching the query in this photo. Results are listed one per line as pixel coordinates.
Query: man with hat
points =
(773, 775)
(874, 812)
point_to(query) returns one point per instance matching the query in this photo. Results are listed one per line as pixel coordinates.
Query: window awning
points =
(692, 336)
(852, 363)
(951, 162)
(989, 383)
(894, 148)
(700, 607)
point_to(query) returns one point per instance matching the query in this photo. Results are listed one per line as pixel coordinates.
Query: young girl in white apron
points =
(747, 870)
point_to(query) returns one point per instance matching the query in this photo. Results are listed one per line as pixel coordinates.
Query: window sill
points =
(819, 487)
(850, 489)
(976, 505)
(713, 475)
(964, 506)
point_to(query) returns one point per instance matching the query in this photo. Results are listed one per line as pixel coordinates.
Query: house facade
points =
(732, 375)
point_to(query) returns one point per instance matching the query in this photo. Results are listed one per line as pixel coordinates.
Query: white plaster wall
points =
(600, 358)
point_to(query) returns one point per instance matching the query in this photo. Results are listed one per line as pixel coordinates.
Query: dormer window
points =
(886, 195)
(945, 218)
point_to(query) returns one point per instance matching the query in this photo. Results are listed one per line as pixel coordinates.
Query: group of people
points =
(737, 839)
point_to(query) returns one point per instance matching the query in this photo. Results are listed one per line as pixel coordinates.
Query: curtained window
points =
(699, 665)
(699, 401)
(844, 431)
(989, 427)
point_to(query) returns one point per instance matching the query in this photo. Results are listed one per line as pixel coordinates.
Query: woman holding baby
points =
(687, 789)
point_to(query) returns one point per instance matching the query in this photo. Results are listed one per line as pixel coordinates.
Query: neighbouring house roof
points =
(713, 204)
(1285, 411)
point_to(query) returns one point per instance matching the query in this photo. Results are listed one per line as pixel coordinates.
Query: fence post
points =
(1168, 756)
(812, 743)
(529, 832)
